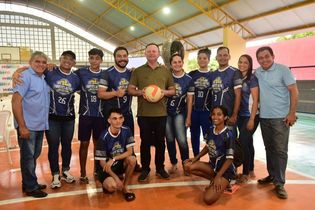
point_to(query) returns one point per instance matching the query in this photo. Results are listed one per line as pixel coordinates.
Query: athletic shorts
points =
(117, 168)
(90, 125)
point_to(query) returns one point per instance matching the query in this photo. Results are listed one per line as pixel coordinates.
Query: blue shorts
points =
(229, 174)
(90, 125)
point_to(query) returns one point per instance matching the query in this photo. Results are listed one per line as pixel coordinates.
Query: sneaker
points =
(266, 180)
(84, 180)
(281, 192)
(162, 174)
(55, 183)
(173, 169)
(143, 176)
(37, 193)
(66, 176)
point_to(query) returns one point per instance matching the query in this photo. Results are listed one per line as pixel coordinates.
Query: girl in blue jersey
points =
(220, 148)
(248, 118)
(176, 111)
(198, 99)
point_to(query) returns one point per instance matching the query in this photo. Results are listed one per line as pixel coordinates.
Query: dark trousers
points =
(152, 132)
(276, 138)
(246, 138)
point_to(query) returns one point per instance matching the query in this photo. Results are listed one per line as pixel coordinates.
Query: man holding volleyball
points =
(152, 115)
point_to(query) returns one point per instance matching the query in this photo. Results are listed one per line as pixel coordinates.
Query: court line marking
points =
(92, 191)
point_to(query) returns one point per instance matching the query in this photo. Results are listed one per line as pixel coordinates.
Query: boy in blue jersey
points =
(113, 89)
(220, 148)
(198, 99)
(176, 113)
(114, 155)
(63, 83)
(226, 87)
(91, 120)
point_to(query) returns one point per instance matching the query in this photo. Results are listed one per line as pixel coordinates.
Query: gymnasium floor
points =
(180, 192)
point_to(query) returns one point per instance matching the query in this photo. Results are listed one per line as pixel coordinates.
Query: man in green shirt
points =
(152, 116)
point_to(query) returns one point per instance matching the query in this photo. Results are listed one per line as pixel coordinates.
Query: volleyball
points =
(153, 93)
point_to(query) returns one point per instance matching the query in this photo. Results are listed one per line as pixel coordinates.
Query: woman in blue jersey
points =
(220, 148)
(176, 111)
(248, 118)
(198, 99)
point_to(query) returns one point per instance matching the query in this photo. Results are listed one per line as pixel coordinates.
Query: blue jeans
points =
(175, 129)
(198, 118)
(276, 138)
(59, 132)
(246, 138)
(30, 150)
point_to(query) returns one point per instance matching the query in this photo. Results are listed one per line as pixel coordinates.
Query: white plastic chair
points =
(5, 130)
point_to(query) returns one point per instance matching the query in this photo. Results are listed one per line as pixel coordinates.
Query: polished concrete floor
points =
(180, 192)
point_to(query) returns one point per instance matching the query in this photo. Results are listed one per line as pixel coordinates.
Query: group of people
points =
(217, 101)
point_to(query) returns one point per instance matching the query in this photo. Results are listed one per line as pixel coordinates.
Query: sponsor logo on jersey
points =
(217, 84)
(202, 83)
(211, 148)
(123, 83)
(63, 86)
(92, 86)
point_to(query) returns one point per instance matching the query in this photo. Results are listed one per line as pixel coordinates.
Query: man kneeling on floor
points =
(114, 155)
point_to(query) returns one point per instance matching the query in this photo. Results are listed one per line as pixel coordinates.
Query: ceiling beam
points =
(140, 16)
(60, 5)
(276, 11)
(217, 14)
(257, 16)
(149, 15)
(98, 18)
(180, 21)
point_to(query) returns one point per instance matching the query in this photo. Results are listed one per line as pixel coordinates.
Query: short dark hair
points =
(250, 65)
(114, 110)
(263, 49)
(152, 43)
(205, 51)
(69, 53)
(95, 51)
(222, 48)
(120, 48)
(174, 55)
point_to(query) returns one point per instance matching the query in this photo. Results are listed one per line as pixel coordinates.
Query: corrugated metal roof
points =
(196, 22)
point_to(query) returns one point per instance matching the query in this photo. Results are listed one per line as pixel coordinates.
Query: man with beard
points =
(113, 88)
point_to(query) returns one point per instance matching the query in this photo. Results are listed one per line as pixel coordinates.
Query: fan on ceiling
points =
(171, 47)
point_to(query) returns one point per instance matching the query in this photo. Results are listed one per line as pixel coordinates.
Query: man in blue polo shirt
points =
(278, 102)
(30, 106)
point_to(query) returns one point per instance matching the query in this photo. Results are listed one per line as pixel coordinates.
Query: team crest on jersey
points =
(178, 90)
(92, 86)
(117, 149)
(63, 86)
(217, 84)
(202, 83)
(123, 84)
(211, 148)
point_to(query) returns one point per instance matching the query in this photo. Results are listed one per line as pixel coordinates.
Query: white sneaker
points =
(55, 182)
(173, 169)
(66, 176)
